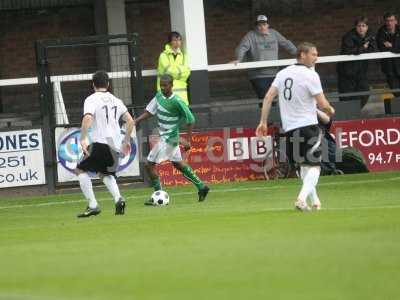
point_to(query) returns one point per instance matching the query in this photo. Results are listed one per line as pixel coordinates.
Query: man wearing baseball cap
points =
(262, 43)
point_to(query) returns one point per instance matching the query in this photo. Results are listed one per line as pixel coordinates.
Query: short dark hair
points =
(361, 19)
(174, 34)
(100, 79)
(166, 77)
(389, 14)
(304, 47)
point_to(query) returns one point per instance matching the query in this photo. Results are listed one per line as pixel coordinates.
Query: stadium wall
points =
(319, 21)
(20, 29)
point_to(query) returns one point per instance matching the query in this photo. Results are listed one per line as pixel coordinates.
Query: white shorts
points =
(163, 151)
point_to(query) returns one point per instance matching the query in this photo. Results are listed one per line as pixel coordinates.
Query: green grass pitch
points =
(245, 242)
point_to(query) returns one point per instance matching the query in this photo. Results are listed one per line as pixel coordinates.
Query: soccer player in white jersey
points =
(299, 90)
(102, 113)
(170, 111)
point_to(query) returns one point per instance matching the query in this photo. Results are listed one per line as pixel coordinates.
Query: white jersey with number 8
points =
(106, 110)
(297, 85)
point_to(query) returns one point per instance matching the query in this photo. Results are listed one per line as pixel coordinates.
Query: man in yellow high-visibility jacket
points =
(174, 61)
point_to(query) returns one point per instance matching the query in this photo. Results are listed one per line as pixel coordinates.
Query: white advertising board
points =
(21, 158)
(69, 154)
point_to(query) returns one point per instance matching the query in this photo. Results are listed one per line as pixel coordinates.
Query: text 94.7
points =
(381, 158)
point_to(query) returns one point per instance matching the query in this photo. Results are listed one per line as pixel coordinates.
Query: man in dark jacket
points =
(352, 76)
(388, 39)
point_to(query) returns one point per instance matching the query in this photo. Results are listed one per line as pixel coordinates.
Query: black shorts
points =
(101, 159)
(303, 145)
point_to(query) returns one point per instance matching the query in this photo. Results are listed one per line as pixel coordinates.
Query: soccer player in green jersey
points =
(170, 111)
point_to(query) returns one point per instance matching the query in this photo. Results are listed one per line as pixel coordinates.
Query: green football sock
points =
(189, 174)
(155, 183)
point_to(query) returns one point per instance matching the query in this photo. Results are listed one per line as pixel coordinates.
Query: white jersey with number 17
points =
(297, 85)
(106, 110)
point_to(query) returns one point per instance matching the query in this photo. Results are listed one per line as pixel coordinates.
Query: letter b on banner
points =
(261, 147)
(238, 149)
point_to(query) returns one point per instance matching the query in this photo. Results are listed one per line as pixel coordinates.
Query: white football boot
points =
(301, 205)
(316, 206)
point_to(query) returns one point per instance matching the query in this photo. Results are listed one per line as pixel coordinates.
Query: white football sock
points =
(303, 172)
(87, 189)
(310, 179)
(314, 196)
(112, 187)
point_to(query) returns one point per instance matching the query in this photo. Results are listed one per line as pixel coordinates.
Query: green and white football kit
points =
(170, 113)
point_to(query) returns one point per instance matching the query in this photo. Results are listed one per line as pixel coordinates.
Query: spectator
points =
(174, 61)
(352, 75)
(388, 39)
(259, 44)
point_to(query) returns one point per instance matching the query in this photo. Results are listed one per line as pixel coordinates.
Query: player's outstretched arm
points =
(86, 123)
(262, 128)
(129, 124)
(144, 116)
(324, 105)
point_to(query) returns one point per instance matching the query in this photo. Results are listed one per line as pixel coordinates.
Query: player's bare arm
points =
(262, 128)
(323, 104)
(86, 123)
(186, 142)
(323, 117)
(144, 116)
(129, 124)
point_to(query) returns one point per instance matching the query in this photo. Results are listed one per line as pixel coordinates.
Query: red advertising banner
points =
(377, 139)
(220, 156)
(228, 155)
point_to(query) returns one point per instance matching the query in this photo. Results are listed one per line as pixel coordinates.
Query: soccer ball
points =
(160, 198)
